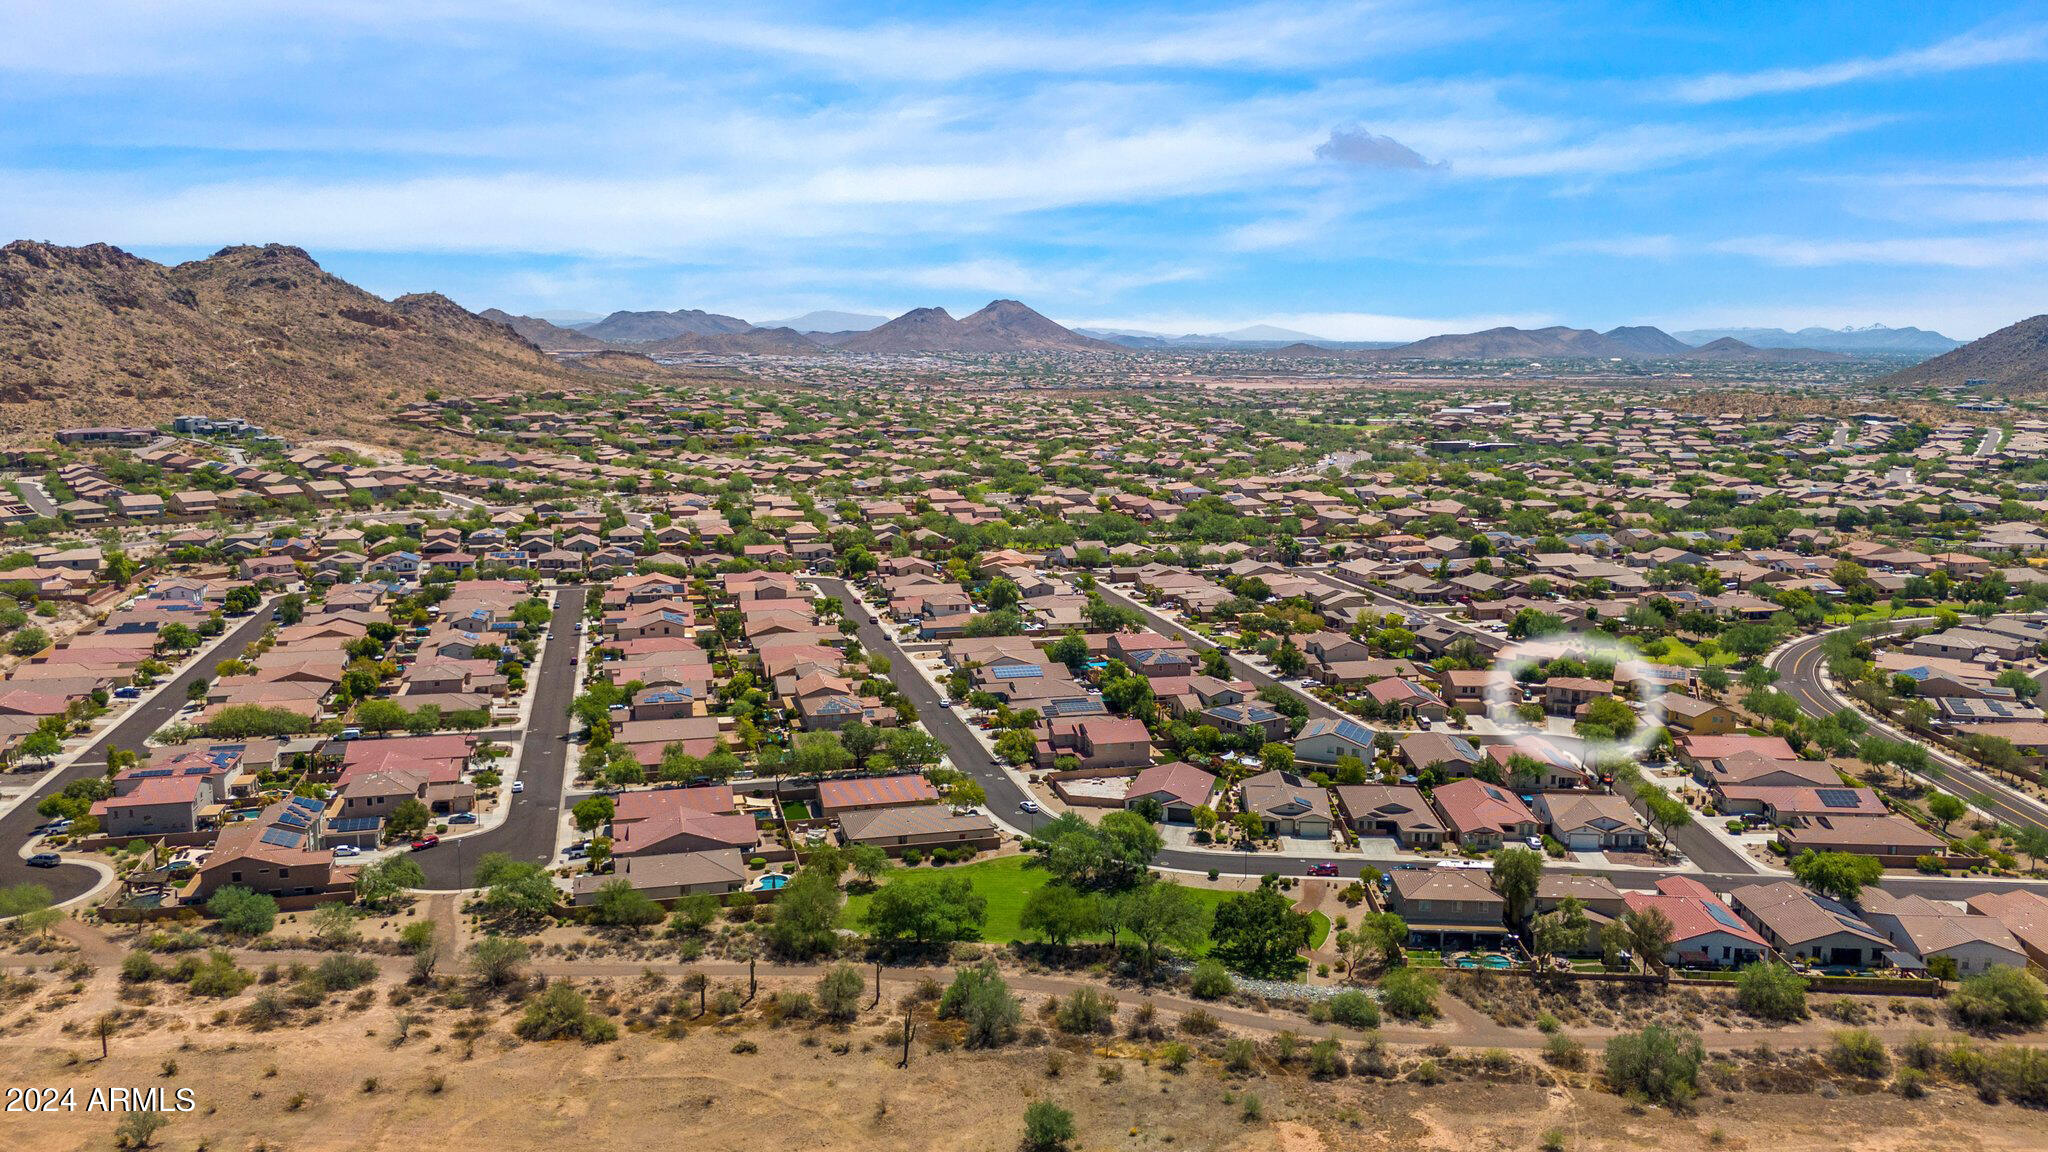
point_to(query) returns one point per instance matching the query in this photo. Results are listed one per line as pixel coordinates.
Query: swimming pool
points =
(1492, 960)
(774, 881)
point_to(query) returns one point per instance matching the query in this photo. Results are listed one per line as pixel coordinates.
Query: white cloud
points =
(1979, 49)
(1934, 251)
(1326, 325)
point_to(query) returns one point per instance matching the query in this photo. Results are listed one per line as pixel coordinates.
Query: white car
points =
(347, 850)
(1028, 806)
(519, 786)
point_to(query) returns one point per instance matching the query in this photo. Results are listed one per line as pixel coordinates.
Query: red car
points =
(1323, 869)
(424, 843)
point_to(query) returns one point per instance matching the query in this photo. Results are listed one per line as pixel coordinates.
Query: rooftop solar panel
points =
(280, 838)
(1722, 916)
(1837, 797)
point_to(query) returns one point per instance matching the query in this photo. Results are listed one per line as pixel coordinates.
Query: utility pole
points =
(878, 985)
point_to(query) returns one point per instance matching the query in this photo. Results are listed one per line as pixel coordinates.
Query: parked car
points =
(127, 692)
(425, 842)
(463, 818)
(519, 786)
(576, 851)
(347, 850)
(1323, 868)
(45, 860)
(1028, 806)
(1535, 842)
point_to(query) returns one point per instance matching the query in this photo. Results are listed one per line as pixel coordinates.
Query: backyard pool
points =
(1492, 960)
(772, 882)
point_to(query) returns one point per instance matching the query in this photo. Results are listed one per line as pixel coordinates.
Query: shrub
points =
(1210, 981)
(839, 993)
(1659, 1064)
(1251, 1110)
(979, 997)
(1564, 1052)
(1084, 1012)
(243, 912)
(1239, 1054)
(139, 967)
(341, 973)
(561, 1013)
(1858, 1053)
(1047, 1127)
(1200, 1023)
(1354, 1009)
(219, 977)
(1174, 1056)
(1772, 991)
(1409, 993)
(2000, 997)
(1326, 1059)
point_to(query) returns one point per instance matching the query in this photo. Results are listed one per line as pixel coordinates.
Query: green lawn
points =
(1321, 925)
(1006, 884)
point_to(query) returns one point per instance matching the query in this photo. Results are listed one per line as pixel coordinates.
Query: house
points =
(1694, 716)
(2023, 913)
(1483, 816)
(1288, 805)
(1928, 930)
(1451, 756)
(1323, 741)
(1447, 907)
(1705, 932)
(838, 797)
(1394, 810)
(1247, 718)
(1097, 742)
(1178, 788)
(669, 876)
(923, 827)
(1809, 927)
(1894, 840)
(276, 853)
(1592, 821)
(156, 804)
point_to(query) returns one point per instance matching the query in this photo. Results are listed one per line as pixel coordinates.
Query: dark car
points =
(424, 843)
(1325, 868)
(463, 818)
(45, 860)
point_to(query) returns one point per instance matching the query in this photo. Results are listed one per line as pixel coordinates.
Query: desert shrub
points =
(1200, 1023)
(2000, 997)
(219, 977)
(342, 973)
(139, 967)
(561, 1013)
(1772, 991)
(1858, 1053)
(1564, 1052)
(1409, 993)
(1174, 1056)
(1047, 1127)
(1239, 1054)
(1354, 1009)
(1085, 1012)
(1659, 1064)
(981, 999)
(1210, 981)
(1326, 1059)
(838, 993)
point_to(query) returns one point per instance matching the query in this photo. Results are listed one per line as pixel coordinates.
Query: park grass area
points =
(1883, 610)
(1006, 884)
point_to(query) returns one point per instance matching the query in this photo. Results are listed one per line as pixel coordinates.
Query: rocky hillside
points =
(96, 335)
(2012, 359)
(1002, 326)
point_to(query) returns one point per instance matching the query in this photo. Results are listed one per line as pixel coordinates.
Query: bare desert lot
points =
(384, 1067)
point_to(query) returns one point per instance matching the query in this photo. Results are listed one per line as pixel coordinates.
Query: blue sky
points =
(1375, 170)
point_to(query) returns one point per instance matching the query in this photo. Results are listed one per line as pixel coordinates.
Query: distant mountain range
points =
(1873, 340)
(2012, 359)
(1010, 326)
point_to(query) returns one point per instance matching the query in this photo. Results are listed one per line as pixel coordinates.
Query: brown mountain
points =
(1560, 343)
(96, 335)
(1729, 348)
(648, 327)
(1002, 326)
(2014, 359)
(752, 342)
(545, 336)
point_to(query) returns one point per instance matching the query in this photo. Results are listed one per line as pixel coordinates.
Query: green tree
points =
(868, 862)
(1516, 874)
(380, 715)
(497, 960)
(1060, 912)
(1649, 934)
(620, 905)
(2001, 997)
(28, 641)
(838, 993)
(807, 916)
(1771, 991)
(1047, 1127)
(593, 812)
(1659, 1064)
(242, 911)
(380, 883)
(1945, 808)
(980, 999)
(1259, 932)
(408, 817)
(1158, 914)
(1841, 875)
(930, 909)
(515, 891)
(1409, 993)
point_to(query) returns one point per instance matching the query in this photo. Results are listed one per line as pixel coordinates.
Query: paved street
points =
(528, 832)
(131, 731)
